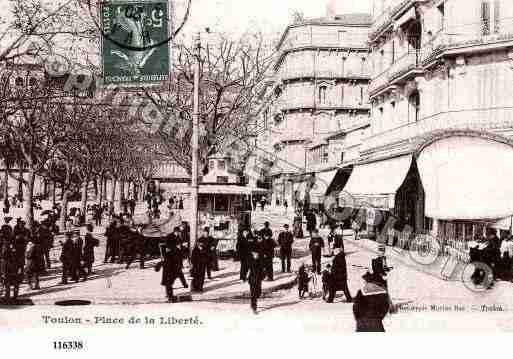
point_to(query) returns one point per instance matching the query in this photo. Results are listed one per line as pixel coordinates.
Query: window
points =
(341, 35)
(324, 154)
(364, 66)
(211, 165)
(361, 95)
(221, 165)
(414, 106)
(222, 179)
(485, 18)
(322, 94)
(341, 93)
(341, 157)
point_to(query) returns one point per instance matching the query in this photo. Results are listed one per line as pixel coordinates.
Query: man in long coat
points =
(242, 249)
(213, 260)
(339, 277)
(199, 260)
(316, 245)
(33, 264)
(171, 269)
(67, 258)
(110, 234)
(256, 272)
(10, 272)
(371, 304)
(89, 243)
(311, 222)
(285, 240)
(267, 250)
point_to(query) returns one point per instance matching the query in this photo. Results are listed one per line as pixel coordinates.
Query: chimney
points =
(331, 9)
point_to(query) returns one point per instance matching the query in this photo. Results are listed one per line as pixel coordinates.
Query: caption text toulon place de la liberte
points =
(132, 320)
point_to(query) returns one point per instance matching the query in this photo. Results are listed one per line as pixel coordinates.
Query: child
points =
(312, 283)
(326, 281)
(302, 280)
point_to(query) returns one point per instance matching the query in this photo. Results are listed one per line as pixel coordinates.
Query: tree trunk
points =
(53, 192)
(84, 197)
(65, 194)
(62, 192)
(6, 183)
(64, 210)
(113, 193)
(30, 205)
(95, 183)
(101, 191)
(20, 184)
(121, 190)
(45, 189)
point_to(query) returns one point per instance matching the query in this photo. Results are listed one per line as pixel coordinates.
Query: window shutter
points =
(497, 16)
(485, 18)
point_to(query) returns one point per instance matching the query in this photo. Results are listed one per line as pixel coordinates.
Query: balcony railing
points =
(354, 122)
(490, 120)
(378, 82)
(292, 73)
(408, 62)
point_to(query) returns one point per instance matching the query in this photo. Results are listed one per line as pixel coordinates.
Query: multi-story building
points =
(318, 97)
(440, 155)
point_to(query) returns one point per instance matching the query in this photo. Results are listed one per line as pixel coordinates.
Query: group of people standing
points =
(24, 254)
(175, 250)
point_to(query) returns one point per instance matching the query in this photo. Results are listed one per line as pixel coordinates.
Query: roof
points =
(225, 189)
(361, 19)
(352, 19)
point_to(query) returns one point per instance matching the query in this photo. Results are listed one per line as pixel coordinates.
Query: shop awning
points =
(467, 178)
(224, 189)
(321, 185)
(375, 184)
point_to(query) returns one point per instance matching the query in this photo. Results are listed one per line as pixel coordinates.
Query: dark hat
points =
(286, 225)
(266, 223)
(206, 229)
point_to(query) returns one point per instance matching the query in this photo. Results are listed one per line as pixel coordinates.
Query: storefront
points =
(389, 187)
(467, 184)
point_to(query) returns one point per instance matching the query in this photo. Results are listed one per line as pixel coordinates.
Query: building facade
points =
(317, 98)
(441, 123)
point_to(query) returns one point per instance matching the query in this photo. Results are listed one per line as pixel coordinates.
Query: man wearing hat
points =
(67, 257)
(339, 276)
(267, 253)
(371, 304)
(316, 245)
(199, 260)
(285, 240)
(256, 271)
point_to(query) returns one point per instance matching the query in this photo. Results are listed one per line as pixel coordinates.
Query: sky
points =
(270, 16)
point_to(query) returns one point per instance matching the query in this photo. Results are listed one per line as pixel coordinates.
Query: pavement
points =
(111, 283)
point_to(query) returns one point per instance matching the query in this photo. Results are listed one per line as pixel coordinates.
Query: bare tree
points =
(231, 75)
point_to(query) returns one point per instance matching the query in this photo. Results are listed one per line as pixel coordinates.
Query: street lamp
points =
(195, 145)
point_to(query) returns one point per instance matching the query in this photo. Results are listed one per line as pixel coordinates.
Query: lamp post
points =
(195, 145)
